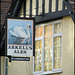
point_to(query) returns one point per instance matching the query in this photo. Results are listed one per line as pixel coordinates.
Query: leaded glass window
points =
(57, 52)
(38, 55)
(48, 45)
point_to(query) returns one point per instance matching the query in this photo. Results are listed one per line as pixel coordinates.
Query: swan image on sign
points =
(21, 35)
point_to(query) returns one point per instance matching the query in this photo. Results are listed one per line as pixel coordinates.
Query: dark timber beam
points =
(51, 16)
(24, 8)
(63, 6)
(15, 7)
(56, 5)
(30, 8)
(50, 5)
(43, 7)
(37, 4)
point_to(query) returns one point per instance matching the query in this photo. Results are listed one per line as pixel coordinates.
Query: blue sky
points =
(23, 23)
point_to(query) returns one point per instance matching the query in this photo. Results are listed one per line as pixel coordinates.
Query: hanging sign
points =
(20, 37)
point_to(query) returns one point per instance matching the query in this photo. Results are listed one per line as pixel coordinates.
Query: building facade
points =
(4, 8)
(54, 39)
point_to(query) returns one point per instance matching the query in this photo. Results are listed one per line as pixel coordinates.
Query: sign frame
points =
(6, 34)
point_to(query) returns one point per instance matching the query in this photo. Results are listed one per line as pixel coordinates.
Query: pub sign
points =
(20, 37)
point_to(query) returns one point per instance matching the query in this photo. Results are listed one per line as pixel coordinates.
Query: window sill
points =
(48, 72)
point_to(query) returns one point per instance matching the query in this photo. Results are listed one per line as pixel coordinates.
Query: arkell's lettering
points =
(20, 47)
(20, 51)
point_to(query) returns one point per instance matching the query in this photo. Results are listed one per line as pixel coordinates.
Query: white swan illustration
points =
(21, 35)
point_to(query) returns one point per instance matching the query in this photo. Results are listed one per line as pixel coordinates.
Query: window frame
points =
(59, 70)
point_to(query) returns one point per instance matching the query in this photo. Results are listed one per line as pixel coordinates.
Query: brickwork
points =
(4, 8)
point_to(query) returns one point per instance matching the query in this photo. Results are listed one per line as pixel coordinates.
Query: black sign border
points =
(6, 32)
(18, 58)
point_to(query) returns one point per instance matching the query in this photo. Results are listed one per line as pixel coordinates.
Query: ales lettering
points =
(20, 49)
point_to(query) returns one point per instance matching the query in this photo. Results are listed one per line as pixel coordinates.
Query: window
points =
(48, 45)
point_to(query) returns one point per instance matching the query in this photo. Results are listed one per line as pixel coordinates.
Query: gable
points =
(71, 8)
(48, 9)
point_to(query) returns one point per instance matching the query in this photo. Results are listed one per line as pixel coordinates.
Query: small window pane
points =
(48, 54)
(48, 65)
(59, 51)
(36, 44)
(55, 63)
(55, 52)
(48, 30)
(38, 32)
(41, 31)
(38, 66)
(58, 28)
(48, 42)
(36, 54)
(45, 65)
(57, 41)
(40, 44)
(59, 63)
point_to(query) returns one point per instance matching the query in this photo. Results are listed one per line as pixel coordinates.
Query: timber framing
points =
(15, 7)
(71, 8)
(44, 17)
(14, 11)
(51, 16)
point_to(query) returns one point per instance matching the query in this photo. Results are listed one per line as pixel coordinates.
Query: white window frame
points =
(59, 70)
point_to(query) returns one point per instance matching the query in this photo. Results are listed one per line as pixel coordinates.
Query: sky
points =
(12, 23)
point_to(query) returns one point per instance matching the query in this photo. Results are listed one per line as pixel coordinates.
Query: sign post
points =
(20, 40)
